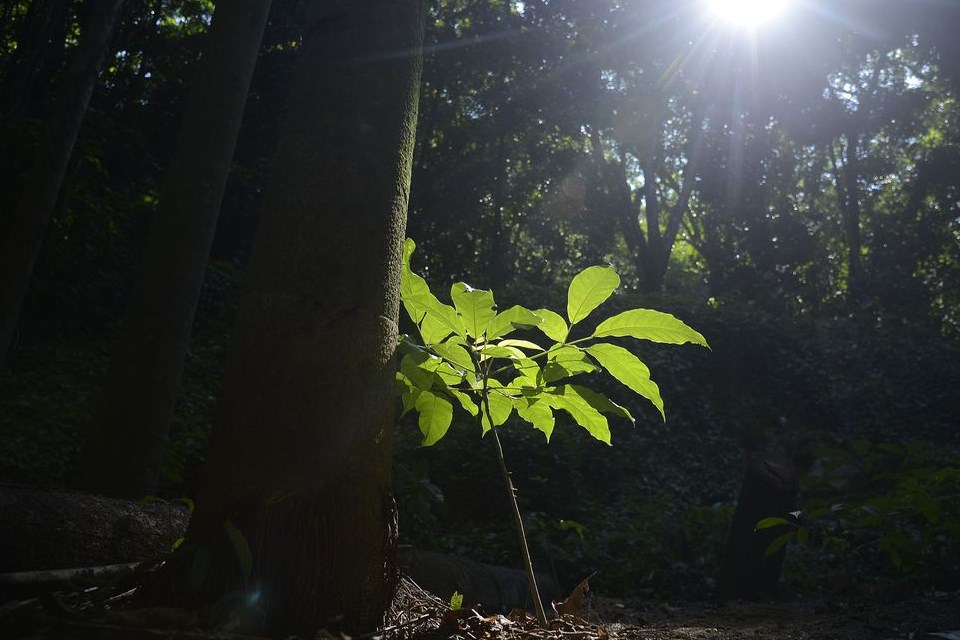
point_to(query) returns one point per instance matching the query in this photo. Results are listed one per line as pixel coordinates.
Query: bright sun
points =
(746, 13)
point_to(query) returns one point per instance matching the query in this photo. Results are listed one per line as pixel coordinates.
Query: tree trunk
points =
(300, 461)
(21, 244)
(770, 488)
(125, 451)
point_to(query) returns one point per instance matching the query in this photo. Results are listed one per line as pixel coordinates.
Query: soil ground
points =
(913, 619)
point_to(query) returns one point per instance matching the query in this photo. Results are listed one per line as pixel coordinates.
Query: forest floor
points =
(909, 620)
(929, 617)
(420, 616)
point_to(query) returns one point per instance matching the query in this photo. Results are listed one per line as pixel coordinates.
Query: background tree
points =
(125, 449)
(301, 455)
(24, 233)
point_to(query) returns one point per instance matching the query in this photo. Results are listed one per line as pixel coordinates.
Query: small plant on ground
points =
(467, 357)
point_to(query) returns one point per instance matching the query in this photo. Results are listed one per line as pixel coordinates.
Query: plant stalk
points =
(517, 519)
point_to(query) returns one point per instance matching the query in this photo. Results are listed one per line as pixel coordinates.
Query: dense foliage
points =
(792, 193)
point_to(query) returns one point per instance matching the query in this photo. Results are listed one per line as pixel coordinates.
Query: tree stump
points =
(770, 488)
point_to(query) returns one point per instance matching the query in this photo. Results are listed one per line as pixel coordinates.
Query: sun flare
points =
(746, 13)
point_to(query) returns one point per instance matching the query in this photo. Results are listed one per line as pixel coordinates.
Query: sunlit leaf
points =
(567, 399)
(465, 401)
(454, 353)
(419, 368)
(475, 308)
(521, 344)
(553, 325)
(628, 369)
(516, 317)
(648, 324)
(602, 403)
(436, 414)
(434, 319)
(566, 361)
(529, 374)
(588, 290)
(501, 405)
(497, 351)
(536, 412)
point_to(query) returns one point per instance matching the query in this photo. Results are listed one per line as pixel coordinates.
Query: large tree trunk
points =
(125, 450)
(300, 460)
(23, 238)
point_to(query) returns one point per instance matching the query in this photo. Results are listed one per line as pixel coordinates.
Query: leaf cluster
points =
(469, 358)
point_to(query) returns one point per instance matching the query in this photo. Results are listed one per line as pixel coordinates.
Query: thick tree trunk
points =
(300, 459)
(23, 238)
(125, 450)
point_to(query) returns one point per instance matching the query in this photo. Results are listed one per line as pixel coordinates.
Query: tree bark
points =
(124, 452)
(300, 461)
(24, 237)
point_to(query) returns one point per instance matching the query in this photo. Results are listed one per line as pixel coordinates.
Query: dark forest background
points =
(792, 194)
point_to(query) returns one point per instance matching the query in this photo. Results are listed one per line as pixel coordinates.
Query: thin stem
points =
(517, 518)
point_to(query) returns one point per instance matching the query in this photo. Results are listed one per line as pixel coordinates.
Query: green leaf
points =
(566, 361)
(449, 375)
(240, 548)
(769, 523)
(436, 414)
(529, 374)
(520, 344)
(648, 324)
(438, 320)
(465, 401)
(496, 351)
(475, 307)
(456, 601)
(588, 289)
(566, 398)
(553, 325)
(537, 412)
(454, 353)
(628, 369)
(778, 543)
(516, 317)
(419, 368)
(434, 319)
(408, 393)
(602, 403)
(501, 405)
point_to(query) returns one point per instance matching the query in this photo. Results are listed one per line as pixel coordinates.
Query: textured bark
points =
(301, 451)
(125, 449)
(23, 238)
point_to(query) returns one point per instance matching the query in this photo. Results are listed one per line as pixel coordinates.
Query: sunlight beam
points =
(745, 13)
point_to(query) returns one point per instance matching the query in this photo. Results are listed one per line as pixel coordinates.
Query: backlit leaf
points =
(536, 412)
(648, 324)
(516, 317)
(475, 308)
(566, 361)
(602, 403)
(465, 401)
(454, 353)
(628, 369)
(501, 405)
(566, 398)
(553, 325)
(588, 289)
(436, 414)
